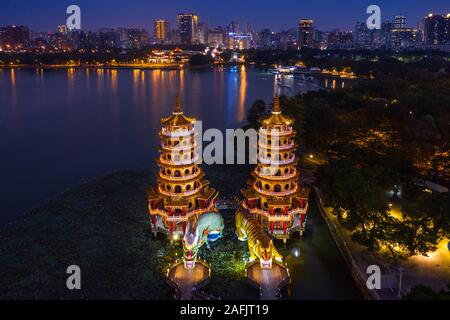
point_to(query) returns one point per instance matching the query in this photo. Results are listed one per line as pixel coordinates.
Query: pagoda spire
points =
(177, 109)
(276, 104)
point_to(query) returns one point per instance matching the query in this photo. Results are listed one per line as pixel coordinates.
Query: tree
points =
(356, 194)
(420, 292)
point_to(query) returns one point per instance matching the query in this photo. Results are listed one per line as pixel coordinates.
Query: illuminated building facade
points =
(436, 29)
(274, 195)
(187, 28)
(306, 33)
(181, 192)
(161, 31)
(14, 37)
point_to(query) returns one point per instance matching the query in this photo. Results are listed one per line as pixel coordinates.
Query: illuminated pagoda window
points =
(181, 191)
(274, 195)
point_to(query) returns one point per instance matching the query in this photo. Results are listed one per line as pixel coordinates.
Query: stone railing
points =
(358, 276)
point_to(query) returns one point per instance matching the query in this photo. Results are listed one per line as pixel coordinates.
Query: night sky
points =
(44, 15)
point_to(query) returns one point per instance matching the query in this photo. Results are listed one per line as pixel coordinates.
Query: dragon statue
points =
(260, 245)
(201, 230)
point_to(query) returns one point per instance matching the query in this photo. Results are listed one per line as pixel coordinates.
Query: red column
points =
(184, 226)
(171, 227)
(154, 220)
(302, 219)
(284, 227)
(170, 211)
(285, 211)
(271, 226)
(184, 213)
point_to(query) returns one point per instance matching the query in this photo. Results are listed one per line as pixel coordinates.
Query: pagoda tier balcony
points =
(269, 132)
(181, 217)
(268, 177)
(181, 194)
(276, 193)
(193, 176)
(268, 161)
(178, 133)
(281, 147)
(166, 148)
(290, 214)
(181, 162)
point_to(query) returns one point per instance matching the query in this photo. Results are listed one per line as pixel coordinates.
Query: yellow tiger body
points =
(260, 245)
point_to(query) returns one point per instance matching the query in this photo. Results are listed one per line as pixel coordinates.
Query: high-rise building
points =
(202, 33)
(399, 22)
(274, 196)
(233, 27)
(187, 28)
(404, 38)
(436, 29)
(14, 37)
(216, 37)
(133, 38)
(264, 38)
(362, 37)
(161, 31)
(306, 33)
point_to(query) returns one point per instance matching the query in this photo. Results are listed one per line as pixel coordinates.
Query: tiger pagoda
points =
(274, 195)
(182, 194)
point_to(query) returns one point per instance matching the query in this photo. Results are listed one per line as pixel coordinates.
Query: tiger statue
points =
(260, 246)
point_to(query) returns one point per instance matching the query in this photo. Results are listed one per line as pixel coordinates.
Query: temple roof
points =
(177, 118)
(276, 117)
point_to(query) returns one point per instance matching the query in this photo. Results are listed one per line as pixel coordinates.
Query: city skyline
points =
(142, 14)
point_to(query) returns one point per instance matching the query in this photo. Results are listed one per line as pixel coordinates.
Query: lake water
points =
(58, 127)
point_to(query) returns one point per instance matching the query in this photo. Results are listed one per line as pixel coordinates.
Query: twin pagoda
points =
(273, 196)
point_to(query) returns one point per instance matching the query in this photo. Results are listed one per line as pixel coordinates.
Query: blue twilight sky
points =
(44, 15)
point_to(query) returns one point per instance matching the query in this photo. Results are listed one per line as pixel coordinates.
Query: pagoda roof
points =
(177, 202)
(279, 201)
(208, 193)
(276, 117)
(249, 193)
(177, 118)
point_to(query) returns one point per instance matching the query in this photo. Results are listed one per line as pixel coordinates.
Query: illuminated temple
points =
(181, 191)
(274, 195)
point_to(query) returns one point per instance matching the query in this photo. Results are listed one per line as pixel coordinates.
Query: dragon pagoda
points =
(182, 194)
(274, 195)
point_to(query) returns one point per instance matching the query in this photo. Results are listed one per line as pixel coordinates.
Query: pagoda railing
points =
(264, 160)
(179, 148)
(274, 193)
(181, 217)
(278, 217)
(180, 133)
(182, 178)
(271, 147)
(180, 194)
(276, 132)
(180, 162)
(273, 177)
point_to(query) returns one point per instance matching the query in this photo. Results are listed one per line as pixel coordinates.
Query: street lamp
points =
(400, 269)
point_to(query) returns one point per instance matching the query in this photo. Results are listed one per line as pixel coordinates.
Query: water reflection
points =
(114, 80)
(242, 94)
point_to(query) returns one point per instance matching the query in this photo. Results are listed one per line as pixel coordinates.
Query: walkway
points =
(187, 281)
(268, 280)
